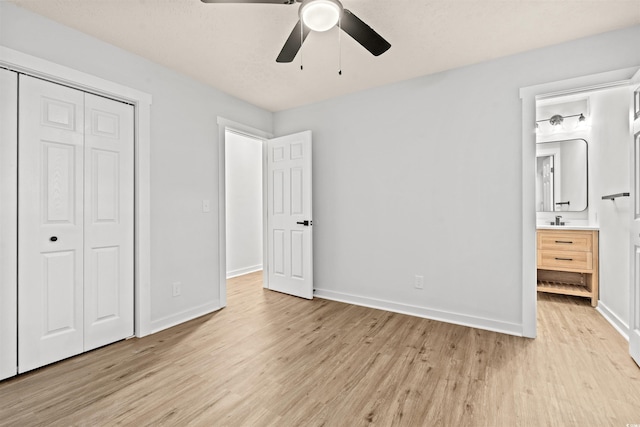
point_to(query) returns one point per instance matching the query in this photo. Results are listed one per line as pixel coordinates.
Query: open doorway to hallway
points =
(244, 205)
(287, 242)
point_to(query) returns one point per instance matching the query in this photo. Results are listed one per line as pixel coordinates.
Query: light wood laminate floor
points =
(272, 359)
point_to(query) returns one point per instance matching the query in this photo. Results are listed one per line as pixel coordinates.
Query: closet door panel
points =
(109, 197)
(50, 230)
(8, 222)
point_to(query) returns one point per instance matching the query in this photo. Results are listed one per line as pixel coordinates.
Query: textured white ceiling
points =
(233, 46)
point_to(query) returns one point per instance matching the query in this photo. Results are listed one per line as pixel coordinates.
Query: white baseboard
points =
(184, 316)
(427, 313)
(245, 270)
(614, 320)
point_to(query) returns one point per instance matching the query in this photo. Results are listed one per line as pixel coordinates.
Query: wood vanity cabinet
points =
(568, 262)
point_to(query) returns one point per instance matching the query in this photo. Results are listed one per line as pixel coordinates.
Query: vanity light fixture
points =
(557, 119)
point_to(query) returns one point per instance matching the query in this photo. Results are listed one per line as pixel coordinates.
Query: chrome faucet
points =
(558, 217)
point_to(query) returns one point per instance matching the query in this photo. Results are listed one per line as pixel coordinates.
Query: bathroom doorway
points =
(607, 98)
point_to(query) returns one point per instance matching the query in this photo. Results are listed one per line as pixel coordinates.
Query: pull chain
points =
(301, 41)
(340, 46)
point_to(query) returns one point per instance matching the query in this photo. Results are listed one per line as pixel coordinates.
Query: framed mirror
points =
(561, 176)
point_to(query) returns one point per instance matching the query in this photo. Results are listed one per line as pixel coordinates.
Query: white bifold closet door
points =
(75, 231)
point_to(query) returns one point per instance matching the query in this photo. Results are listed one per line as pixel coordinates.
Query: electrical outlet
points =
(177, 289)
(418, 282)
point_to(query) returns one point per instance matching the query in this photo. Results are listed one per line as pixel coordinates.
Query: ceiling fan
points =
(322, 15)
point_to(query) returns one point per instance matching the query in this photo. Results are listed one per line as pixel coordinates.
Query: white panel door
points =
(108, 221)
(8, 222)
(289, 216)
(50, 229)
(634, 312)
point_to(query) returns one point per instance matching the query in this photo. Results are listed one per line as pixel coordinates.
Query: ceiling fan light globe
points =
(320, 15)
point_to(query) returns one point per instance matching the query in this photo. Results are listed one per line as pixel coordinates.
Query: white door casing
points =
(50, 250)
(108, 221)
(634, 283)
(289, 206)
(8, 222)
(76, 222)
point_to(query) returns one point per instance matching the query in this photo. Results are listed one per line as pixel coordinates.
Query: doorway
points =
(530, 96)
(244, 204)
(287, 215)
(231, 129)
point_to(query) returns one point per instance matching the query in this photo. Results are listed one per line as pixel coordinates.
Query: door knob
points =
(306, 223)
(53, 238)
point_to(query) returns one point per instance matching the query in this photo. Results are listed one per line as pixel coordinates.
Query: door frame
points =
(8, 225)
(225, 125)
(26, 64)
(529, 95)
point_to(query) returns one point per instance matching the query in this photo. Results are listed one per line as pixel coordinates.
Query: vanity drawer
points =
(565, 241)
(565, 260)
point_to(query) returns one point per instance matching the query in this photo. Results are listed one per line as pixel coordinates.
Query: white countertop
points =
(566, 227)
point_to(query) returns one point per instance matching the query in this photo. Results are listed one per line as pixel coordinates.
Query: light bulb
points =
(320, 15)
(582, 122)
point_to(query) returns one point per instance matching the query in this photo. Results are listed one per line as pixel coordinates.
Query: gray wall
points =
(184, 153)
(423, 177)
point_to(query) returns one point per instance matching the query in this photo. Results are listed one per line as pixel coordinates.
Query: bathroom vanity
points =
(568, 261)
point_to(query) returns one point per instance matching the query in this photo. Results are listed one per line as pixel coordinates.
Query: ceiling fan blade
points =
(251, 1)
(293, 44)
(363, 34)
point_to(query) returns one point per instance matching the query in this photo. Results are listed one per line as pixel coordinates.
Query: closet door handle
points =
(53, 238)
